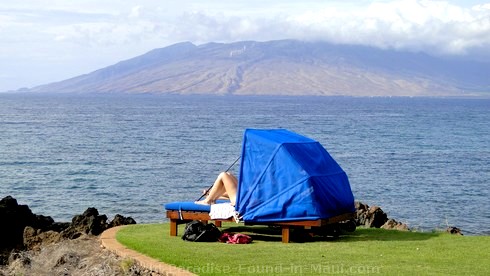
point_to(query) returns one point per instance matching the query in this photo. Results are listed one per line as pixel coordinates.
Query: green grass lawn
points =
(365, 251)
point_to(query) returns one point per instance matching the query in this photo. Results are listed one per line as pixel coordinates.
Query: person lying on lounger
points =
(225, 186)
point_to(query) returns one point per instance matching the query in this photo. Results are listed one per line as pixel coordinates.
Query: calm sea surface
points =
(425, 161)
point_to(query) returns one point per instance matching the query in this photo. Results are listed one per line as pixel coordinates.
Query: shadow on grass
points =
(267, 233)
(373, 234)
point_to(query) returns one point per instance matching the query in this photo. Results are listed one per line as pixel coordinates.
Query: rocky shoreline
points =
(33, 244)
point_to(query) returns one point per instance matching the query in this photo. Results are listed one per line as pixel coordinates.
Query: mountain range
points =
(282, 67)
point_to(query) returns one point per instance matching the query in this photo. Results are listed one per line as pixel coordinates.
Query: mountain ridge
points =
(281, 67)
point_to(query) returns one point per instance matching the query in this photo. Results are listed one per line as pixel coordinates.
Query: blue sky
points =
(44, 41)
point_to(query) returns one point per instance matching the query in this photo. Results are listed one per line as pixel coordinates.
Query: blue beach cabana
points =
(285, 179)
(285, 176)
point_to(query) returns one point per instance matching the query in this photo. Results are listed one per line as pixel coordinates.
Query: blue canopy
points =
(288, 177)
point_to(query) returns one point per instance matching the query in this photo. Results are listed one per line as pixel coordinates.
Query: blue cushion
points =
(190, 206)
(187, 206)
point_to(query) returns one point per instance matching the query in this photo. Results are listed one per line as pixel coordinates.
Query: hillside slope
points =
(284, 67)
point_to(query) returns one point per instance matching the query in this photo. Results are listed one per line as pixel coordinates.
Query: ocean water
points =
(425, 161)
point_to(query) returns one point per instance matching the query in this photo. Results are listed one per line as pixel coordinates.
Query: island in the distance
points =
(283, 67)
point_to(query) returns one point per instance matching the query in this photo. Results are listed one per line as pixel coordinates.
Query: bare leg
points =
(224, 196)
(225, 184)
(231, 183)
(217, 190)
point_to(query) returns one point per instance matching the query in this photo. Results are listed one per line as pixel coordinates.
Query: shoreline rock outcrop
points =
(375, 217)
(23, 230)
(454, 230)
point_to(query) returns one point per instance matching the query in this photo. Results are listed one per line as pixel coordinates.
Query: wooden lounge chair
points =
(183, 212)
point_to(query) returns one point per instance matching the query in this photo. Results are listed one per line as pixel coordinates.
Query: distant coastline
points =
(474, 96)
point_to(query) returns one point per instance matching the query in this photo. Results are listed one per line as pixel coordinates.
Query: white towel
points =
(222, 211)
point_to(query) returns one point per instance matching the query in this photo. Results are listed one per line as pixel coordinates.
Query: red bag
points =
(235, 238)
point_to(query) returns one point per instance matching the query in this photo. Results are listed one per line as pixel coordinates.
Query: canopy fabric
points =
(285, 176)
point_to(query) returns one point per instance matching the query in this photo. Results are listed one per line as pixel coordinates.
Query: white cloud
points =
(135, 12)
(102, 34)
(402, 24)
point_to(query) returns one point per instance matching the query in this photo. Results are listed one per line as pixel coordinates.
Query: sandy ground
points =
(83, 256)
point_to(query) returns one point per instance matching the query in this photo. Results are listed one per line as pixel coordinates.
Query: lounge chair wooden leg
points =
(285, 233)
(217, 223)
(173, 227)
